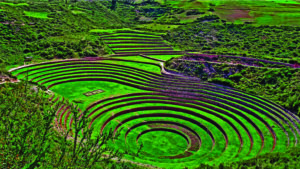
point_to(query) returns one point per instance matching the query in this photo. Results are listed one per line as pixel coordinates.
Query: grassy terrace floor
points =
(210, 123)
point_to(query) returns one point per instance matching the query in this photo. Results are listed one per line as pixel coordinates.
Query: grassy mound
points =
(41, 15)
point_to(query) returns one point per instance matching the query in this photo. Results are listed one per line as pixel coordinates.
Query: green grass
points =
(120, 34)
(261, 12)
(187, 19)
(78, 12)
(205, 3)
(280, 18)
(150, 68)
(157, 27)
(116, 31)
(122, 41)
(133, 47)
(72, 92)
(41, 15)
(163, 57)
(137, 58)
(100, 74)
(13, 4)
(128, 37)
(72, 37)
(174, 144)
(133, 44)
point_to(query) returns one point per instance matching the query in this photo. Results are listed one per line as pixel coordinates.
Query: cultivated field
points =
(164, 119)
(260, 12)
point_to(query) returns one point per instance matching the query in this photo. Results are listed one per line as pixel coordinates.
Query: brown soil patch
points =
(291, 5)
(191, 17)
(238, 13)
(91, 93)
(6, 79)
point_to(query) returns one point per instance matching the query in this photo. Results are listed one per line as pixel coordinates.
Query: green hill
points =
(55, 30)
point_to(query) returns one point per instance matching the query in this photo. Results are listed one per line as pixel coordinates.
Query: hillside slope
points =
(54, 30)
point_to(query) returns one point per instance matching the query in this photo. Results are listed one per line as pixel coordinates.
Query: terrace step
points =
(152, 53)
(136, 32)
(116, 55)
(138, 50)
(135, 42)
(132, 39)
(148, 57)
(140, 46)
(134, 36)
(132, 32)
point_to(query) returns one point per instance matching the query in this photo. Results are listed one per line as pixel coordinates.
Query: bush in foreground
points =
(29, 140)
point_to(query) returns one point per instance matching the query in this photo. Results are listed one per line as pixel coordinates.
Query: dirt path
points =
(137, 163)
(227, 63)
(6, 79)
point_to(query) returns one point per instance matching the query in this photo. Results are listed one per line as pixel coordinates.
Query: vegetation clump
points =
(48, 31)
(30, 140)
(278, 83)
(216, 37)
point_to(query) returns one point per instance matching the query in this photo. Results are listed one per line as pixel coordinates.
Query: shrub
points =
(236, 77)
(28, 139)
(222, 81)
(194, 12)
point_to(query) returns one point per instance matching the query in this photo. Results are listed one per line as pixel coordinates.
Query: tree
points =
(28, 138)
(113, 4)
